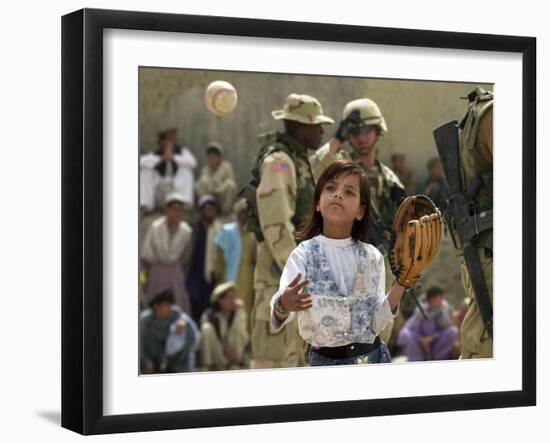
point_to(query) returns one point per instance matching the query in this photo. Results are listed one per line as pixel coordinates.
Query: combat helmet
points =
(369, 113)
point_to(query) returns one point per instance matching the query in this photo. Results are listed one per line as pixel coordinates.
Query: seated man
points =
(217, 178)
(433, 337)
(168, 337)
(224, 330)
(167, 169)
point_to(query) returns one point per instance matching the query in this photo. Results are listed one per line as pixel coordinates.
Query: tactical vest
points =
(477, 171)
(386, 190)
(270, 143)
(386, 193)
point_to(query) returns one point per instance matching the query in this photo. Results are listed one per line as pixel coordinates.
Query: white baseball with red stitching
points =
(220, 97)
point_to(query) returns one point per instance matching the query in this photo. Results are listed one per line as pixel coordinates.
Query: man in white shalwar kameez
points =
(166, 252)
(224, 330)
(168, 169)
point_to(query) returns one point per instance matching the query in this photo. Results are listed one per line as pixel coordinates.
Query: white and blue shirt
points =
(347, 284)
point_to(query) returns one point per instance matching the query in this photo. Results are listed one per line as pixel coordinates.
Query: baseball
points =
(220, 97)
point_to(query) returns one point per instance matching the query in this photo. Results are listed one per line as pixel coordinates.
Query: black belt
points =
(351, 350)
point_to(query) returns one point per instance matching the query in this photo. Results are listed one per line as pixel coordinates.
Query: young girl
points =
(341, 302)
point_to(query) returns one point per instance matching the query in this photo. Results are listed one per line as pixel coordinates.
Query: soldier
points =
(476, 161)
(217, 179)
(362, 125)
(282, 188)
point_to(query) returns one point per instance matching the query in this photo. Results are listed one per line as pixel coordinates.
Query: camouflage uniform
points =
(284, 198)
(476, 158)
(381, 179)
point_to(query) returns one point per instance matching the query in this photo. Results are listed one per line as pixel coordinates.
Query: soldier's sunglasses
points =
(354, 129)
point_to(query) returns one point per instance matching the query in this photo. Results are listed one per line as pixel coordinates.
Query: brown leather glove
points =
(416, 236)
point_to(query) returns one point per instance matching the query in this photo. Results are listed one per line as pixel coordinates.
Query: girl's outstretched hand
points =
(294, 300)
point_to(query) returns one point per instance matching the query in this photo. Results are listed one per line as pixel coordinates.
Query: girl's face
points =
(340, 201)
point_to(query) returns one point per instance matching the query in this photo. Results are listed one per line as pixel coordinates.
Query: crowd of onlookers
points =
(197, 267)
(196, 262)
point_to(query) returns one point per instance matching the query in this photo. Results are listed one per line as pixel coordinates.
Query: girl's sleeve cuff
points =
(275, 325)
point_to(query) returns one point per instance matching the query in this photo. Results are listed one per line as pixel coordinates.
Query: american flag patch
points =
(281, 166)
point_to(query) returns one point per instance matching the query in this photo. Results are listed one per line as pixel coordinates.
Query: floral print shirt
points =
(347, 286)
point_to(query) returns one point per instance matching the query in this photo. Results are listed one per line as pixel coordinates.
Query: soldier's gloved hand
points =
(341, 131)
(397, 194)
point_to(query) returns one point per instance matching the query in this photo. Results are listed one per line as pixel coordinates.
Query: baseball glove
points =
(417, 232)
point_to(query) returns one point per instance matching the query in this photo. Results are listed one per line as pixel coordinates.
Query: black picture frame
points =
(82, 220)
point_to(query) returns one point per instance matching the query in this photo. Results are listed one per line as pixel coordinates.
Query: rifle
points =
(462, 219)
(378, 235)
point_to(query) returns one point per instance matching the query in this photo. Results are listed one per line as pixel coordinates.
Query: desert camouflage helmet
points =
(303, 109)
(369, 111)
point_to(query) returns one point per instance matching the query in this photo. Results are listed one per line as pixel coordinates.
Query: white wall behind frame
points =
(30, 381)
(126, 393)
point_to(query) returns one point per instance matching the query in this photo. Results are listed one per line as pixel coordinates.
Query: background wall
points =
(412, 109)
(30, 228)
(175, 98)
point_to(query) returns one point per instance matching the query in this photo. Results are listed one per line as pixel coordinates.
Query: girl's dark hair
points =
(314, 224)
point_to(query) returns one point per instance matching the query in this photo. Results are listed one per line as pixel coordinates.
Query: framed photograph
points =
(148, 96)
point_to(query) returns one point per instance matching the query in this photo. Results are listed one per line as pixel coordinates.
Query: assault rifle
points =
(461, 217)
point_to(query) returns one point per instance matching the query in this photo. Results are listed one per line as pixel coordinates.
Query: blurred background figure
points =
(433, 337)
(434, 184)
(236, 256)
(166, 252)
(169, 168)
(405, 175)
(200, 278)
(224, 330)
(217, 179)
(407, 308)
(168, 337)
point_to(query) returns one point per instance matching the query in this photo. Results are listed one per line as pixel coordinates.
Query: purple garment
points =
(438, 324)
